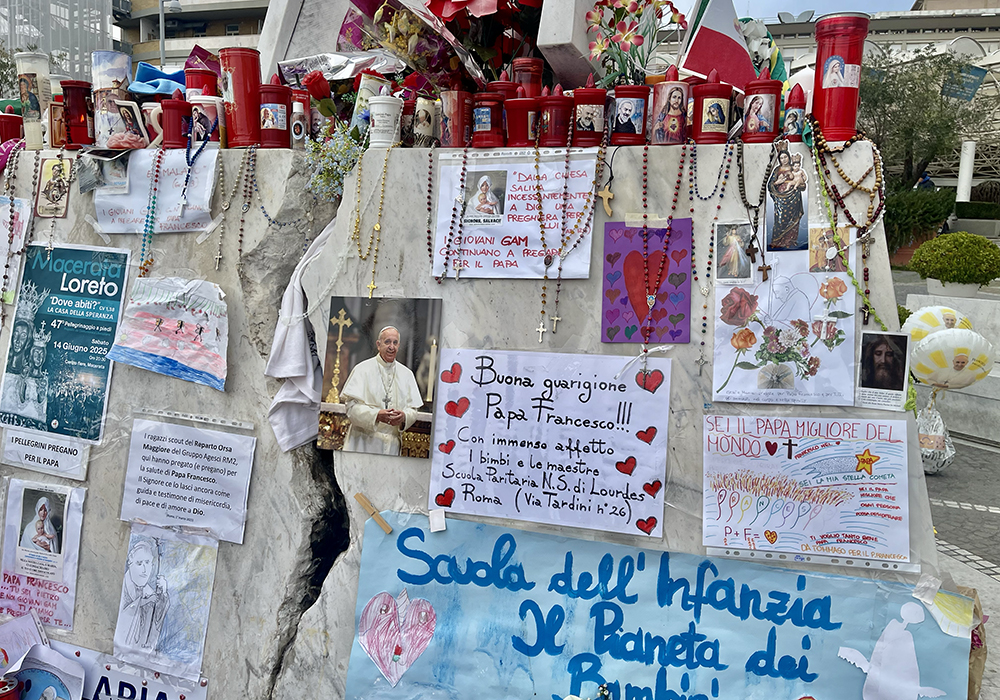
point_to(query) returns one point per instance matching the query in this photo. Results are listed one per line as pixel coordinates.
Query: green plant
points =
(958, 258)
(914, 214)
(903, 312)
(331, 157)
(977, 210)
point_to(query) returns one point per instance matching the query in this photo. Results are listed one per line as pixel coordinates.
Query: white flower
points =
(788, 338)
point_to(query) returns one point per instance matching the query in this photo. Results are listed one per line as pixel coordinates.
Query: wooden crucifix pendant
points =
(606, 195)
(752, 251)
(763, 268)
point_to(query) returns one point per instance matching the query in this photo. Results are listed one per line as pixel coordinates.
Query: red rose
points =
(317, 85)
(737, 307)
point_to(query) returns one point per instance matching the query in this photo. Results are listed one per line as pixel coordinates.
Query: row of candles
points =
(103, 114)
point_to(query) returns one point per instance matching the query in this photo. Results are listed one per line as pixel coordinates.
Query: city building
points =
(67, 30)
(211, 24)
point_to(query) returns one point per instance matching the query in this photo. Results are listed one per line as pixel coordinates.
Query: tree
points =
(8, 72)
(905, 114)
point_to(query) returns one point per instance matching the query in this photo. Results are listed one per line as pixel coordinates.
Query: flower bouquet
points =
(331, 157)
(628, 36)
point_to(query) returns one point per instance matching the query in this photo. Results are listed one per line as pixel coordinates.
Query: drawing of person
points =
(672, 119)
(623, 118)
(756, 121)
(143, 606)
(735, 263)
(785, 187)
(833, 74)
(787, 302)
(49, 541)
(483, 200)
(893, 673)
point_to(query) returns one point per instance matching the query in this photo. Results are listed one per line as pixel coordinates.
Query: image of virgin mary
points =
(785, 187)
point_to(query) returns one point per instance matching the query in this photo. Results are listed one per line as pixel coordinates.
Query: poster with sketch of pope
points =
(166, 598)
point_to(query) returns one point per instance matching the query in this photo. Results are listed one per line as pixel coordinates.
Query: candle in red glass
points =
(628, 123)
(795, 114)
(760, 116)
(487, 120)
(241, 76)
(557, 110)
(78, 114)
(275, 113)
(11, 126)
(528, 72)
(200, 81)
(456, 118)
(711, 110)
(840, 42)
(670, 120)
(505, 86)
(522, 120)
(175, 121)
(588, 114)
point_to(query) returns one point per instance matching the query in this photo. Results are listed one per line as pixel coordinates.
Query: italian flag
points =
(714, 40)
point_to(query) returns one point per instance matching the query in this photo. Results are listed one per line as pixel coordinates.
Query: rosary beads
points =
(146, 253)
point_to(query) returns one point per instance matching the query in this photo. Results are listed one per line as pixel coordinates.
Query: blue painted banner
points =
(485, 612)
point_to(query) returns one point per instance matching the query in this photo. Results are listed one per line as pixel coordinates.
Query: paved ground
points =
(965, 504)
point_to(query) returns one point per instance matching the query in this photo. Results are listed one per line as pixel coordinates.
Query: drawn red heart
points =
(647, 435)
(658, 315)
(771, 447)
(650, 381)
(447, 447)
(626, 467)
(451, 376)
(771, 536)
(445, 498)
(652, 488)
(678, 255)
(457, 408)
(394, 632)
(646, 525)
(635, 280)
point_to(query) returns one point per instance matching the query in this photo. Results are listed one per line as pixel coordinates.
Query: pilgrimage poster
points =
(57, 374)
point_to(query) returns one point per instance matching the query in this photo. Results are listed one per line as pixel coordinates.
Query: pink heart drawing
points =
(628, 316)
(615, 234)
(394, 632)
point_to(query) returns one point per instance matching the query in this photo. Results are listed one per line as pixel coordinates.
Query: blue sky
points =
(771, 8)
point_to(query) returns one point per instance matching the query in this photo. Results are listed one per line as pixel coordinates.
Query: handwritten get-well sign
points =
(820, 486)
(552, 438)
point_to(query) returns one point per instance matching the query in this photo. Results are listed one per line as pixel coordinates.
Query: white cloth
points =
(364, 394)
(294, 412)
(30, 531)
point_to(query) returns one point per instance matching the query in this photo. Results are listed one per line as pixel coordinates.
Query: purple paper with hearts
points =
(624, 308)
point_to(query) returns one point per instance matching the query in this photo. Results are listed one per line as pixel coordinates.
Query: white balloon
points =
(931, 319)
(953, 358)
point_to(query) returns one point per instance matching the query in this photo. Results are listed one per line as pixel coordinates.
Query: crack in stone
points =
(330, 537)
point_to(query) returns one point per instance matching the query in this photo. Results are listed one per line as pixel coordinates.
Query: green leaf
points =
(747, 365)
(840, 314)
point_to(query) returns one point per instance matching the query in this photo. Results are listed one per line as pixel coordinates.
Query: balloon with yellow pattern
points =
(931, 319)
(952, 358)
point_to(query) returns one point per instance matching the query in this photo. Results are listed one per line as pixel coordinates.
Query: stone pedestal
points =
(501, 314)
(261, 586)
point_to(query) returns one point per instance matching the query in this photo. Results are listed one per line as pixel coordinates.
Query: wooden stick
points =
(370, 509)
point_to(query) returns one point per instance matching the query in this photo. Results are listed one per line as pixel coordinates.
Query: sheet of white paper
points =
(182, 475)
(126, 213)
(18, 635)
(41, 551)
(166, 598)
(498, 206)
(831, 487)
(552, 438)
(44, 668)
(789, 340)
(49, 454)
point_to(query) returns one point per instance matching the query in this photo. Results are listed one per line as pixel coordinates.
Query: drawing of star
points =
(865, 461)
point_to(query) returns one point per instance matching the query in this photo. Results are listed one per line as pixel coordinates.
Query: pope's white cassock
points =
(365, 395)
